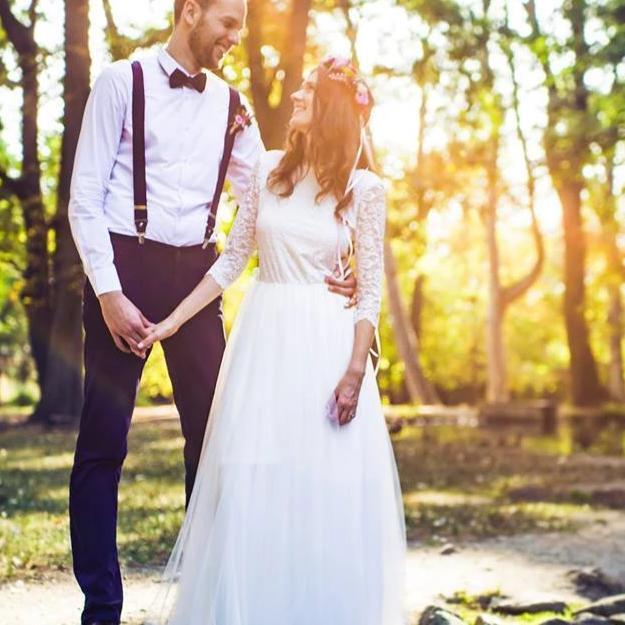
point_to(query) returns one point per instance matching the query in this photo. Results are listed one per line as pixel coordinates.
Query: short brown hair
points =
(178, 4)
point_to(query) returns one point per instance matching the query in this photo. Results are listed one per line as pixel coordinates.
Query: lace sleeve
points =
(369, 249)
(241, 241)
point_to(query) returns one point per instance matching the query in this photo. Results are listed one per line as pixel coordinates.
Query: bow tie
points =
(180, 79)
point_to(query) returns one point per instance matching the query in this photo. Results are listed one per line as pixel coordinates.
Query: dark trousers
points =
(155, 277)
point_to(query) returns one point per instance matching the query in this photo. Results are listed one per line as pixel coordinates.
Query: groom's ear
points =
(190, 12)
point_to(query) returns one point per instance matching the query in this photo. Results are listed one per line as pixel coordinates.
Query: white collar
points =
(168, 62)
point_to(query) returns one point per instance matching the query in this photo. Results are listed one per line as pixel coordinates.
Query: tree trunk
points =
(566, 157)
(500, 296)
(416, 305)
(616, 385)
(585, 386)
(35, 294)
(607, 215)
(62, 391)
(496, 385)
(418, 386)
(273, 118)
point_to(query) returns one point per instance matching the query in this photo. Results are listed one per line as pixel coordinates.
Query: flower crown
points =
(343, 70)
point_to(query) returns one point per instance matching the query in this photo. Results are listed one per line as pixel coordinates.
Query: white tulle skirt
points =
(293, 520)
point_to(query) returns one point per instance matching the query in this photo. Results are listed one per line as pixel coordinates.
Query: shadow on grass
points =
(506, 467)
(447, 462)
(35, 466)
(430, 523)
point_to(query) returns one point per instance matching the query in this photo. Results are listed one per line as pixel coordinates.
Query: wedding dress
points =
(293, 520)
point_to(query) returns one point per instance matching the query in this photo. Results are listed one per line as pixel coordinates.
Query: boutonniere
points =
(242, 119)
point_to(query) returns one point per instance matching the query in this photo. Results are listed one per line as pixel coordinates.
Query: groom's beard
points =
(203, 50)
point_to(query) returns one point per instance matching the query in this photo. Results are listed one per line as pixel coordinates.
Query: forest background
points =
(500, 132)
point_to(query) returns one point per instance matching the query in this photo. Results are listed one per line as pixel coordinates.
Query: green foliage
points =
(434, 214)
(15, 362)
(155, 384)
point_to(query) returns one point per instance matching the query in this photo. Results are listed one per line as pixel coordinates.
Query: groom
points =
(157, 141)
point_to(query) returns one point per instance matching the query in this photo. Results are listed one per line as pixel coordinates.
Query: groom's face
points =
(216, 30)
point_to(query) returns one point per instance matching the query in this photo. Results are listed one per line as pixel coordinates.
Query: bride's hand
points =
(159, 332)
(347, 393)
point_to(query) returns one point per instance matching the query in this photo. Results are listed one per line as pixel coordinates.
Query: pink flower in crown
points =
(339, 62)
(362, 94)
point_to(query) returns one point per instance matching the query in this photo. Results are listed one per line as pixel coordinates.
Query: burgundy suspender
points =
(233, 105)
(138, 151)
(138, 156)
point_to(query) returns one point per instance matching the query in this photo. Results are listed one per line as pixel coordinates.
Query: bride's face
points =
(303, 101)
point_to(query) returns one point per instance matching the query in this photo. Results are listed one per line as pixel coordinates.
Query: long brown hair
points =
(330, 145)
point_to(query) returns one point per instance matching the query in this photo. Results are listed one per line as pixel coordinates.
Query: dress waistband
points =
(294, 283)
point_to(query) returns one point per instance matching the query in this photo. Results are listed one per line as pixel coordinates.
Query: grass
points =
(466, 483)
(457, 485)
(470, 615)
(34, 473)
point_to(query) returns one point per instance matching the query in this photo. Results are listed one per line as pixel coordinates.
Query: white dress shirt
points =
(184, 137)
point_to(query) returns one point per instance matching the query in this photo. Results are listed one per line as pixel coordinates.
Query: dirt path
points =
(528, 566)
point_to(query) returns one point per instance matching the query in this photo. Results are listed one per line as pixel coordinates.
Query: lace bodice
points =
(298, 239)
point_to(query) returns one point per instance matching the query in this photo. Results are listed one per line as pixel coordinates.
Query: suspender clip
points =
(206, 242)
(141, 221)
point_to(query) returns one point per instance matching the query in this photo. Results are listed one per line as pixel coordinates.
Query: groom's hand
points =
(125, 322)
(346, 287)
(159, 332)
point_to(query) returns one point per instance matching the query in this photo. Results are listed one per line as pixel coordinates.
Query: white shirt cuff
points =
(104, 280)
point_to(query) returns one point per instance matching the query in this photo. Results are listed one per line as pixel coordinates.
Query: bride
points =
(296, 515)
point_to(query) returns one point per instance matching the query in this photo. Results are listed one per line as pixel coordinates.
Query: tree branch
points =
(152, 36)
(112, 32)
(5, 81)
(10, 186)
(7, 259)
(543, 59)
(32, 13)
(19, 35)
(518, 288)
(351, 29)
(120, 45)
(530, 9)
